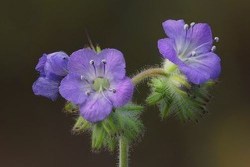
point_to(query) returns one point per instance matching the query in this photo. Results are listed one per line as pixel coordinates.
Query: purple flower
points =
(52, 68)
(191, 49)
(96, 82)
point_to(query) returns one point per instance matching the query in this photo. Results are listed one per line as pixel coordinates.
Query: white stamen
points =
(104, 61)
(87, 93)
(82, 77)
(106, 97)
(193, 53)
(185, 26)
(91, 62)
(213, 48)
(192, 24)
(216, 39)
(112, 90)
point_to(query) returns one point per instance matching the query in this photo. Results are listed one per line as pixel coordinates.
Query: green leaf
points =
(164, 107)
(128, 122)
(155, 97)
(124, 121)
(174, 95)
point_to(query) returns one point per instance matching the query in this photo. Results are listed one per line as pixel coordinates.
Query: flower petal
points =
(41, 63)
(174, 28)
(74, 89)
(115, 63)
(202, 68)
(201, 38)
(57, 63)
(46, 87)
(123, 94)
(96, 108)
(166, 47)
(79, 62)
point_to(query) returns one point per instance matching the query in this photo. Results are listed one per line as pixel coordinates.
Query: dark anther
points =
(92, 62)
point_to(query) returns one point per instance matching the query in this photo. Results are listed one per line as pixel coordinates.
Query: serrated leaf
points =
(154, 97)
(164, 107)
(110, 143)
(124, 121)
(130, 107)
(174, 95)
(127, 119)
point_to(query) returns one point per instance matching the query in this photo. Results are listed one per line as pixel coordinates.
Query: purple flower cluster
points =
(96, 82)
(52, 68)
(191, 48)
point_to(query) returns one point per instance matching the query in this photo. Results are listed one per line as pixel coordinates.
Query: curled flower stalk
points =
(97, 89)
(152, 72)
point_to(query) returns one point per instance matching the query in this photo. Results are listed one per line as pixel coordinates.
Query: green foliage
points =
(123, 122)
(127, 120)
(175, 96)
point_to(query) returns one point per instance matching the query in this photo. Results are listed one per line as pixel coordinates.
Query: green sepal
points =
(98, 136)
(174, 95)
(122, 121)
(70, 108)
(81, 125)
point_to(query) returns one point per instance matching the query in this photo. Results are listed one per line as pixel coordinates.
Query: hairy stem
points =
(123, 154)
(152, 72)
(123, 143)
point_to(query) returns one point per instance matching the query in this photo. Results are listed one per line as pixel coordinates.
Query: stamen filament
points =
(104, 66)
(93, 64)
(83, 78)
(112, 90)
(186, 45)
(105, 96)
(87, 93)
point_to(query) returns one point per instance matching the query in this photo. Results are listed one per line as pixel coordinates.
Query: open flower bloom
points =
(191, 49)
(52, 68)
(96, 82)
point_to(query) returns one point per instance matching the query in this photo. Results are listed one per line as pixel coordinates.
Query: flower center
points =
(100, 84)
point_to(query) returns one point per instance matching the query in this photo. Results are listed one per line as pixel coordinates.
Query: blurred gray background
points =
(34, 132)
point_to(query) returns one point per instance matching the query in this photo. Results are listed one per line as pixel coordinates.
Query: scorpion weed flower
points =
(191, 48)
(52, 68)
(96, 82)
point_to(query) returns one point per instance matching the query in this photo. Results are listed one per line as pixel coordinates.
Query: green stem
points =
(123, 155)
(123, 143)
(152, 72)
